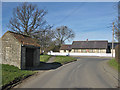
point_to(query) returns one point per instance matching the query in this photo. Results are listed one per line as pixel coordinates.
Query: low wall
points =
(82, 54)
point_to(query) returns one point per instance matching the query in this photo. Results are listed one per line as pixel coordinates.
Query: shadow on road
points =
(46, 66)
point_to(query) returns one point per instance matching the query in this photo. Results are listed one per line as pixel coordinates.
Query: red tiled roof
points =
(90, 44)
(25, 40)
(65, 47)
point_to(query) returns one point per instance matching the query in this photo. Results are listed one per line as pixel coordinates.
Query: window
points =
(64, 50)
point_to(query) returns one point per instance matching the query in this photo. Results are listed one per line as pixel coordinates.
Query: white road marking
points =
(79, 66)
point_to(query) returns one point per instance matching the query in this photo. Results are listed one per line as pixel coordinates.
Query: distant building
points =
(65, 48)
(20, 50)
(110, 46)
(100, 46)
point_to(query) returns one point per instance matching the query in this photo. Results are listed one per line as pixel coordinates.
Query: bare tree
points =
(117, 24)
(117, 31)
(45, 39)
(63, 34)
(28, 20)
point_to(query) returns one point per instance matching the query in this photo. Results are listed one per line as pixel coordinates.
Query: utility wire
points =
(70, 14)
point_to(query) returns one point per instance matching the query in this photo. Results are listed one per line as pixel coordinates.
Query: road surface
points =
(86, 72)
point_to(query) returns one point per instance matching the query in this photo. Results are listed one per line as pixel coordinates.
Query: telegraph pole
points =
(113, 38)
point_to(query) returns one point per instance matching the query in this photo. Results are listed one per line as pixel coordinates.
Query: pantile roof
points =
(24, 39)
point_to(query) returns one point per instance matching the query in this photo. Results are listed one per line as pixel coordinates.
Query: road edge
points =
(111, 71)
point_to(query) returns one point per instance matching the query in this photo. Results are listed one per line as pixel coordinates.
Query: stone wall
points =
(23, 54)
(11, 50)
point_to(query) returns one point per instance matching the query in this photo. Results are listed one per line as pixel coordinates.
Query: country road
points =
(86, 72)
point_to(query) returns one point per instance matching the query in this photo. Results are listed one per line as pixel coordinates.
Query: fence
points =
(82, 54)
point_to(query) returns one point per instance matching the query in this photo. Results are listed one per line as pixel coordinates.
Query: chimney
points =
(86, 39)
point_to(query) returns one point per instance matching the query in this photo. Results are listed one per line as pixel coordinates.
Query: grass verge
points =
(64, 59)
(44, 58)
(114, 64)
(11, 74)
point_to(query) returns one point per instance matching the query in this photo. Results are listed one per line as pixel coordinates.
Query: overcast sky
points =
(89, 20)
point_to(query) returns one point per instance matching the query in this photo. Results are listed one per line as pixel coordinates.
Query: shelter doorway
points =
(29, 57)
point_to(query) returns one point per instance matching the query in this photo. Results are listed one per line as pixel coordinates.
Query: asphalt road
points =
(86, 72)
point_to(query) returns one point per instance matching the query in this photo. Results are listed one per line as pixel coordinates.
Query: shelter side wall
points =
(23, 58)
(11, 50)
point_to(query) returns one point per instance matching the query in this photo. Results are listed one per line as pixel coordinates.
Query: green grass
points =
(44, 58)
(64, 59)
(10, 73)
(114, 64)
